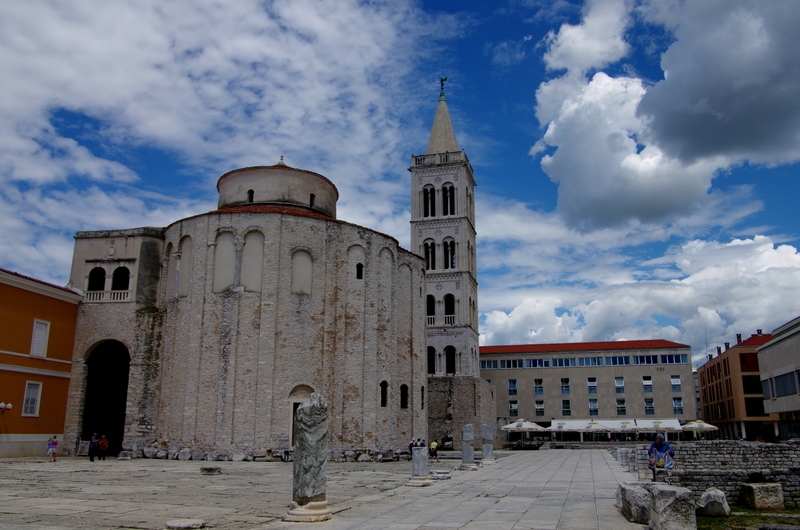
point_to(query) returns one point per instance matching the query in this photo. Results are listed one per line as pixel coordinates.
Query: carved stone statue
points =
(310, 462)
(441, 82)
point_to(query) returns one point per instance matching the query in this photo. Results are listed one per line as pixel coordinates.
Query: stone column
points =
(487, 445)
(419, 467)
(309, 504)
(467, 452)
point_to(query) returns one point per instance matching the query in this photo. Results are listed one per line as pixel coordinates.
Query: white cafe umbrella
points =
(522, 425)
(699, 426)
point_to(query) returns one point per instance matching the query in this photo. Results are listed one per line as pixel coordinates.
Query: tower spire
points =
(443, 137)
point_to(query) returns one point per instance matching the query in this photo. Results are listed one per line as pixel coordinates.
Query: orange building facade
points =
(731, 394)
(36, 340)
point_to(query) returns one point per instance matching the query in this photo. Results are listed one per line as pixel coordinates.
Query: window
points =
(537, 363)
(565, 385)
(539, 404)
(449, 254)
(513, 408)
(677, 405)
(619, 385)
(592, 385)
(590, 361)
(449, 360)
(754, 407)
(41, 332)
(512, 387)
(511, 363)
(765, 389)
(566, 361)
(647, 384)
(565, 408)
(751, 384)
(675, 380)
(488, 365)
(428, 202)
(432, 360)
(649, 407)
(594, 410)
(430, 309)
(250, 194)
(422, 398)
(785, 385)
(403, 396)
(448, 200)
(645, 359)
(621, 408)
(311, 199)
(120, 279)
(359, 271)
(97, 279)
(384, 393)
(618, 361)
(430, 255)
(450, 310)
(302, 272)
(675, 359)
(33, 392)
(538, 387)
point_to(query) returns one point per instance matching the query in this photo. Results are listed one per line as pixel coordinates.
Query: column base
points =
(488, 461)
(419, 481)
(313, 512)
(468, 467)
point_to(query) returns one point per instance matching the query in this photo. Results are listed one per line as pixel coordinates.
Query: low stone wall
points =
(730, 481)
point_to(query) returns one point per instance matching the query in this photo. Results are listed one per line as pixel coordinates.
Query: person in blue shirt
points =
(660, 450)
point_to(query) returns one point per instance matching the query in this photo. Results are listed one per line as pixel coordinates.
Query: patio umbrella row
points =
(635, 425)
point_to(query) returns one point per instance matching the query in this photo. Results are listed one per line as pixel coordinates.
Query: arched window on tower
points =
(448, 200)
(97, 279)
(250, 194)
(431, 360)
(384, 393)
(450, 360)
(429, 202)
(311, 199)
(430, 255)
(449, 254)
(431, 309)
(403, 396)
(449, 309)
(120, 279)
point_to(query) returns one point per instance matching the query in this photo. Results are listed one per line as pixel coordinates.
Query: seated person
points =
(661, 453)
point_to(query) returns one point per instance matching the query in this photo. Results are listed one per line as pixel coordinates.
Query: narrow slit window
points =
(250, 194)
(359, 271)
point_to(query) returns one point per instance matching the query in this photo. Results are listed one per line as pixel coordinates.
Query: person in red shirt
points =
(102, 447)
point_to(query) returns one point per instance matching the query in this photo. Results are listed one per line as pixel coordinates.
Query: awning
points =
(670, 424)
(628, 425)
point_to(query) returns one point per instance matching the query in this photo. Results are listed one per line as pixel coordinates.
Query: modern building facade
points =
(779, 364)
(36, 335)
(443, 231)
(206, 335)
(730, 391)
(620, 380)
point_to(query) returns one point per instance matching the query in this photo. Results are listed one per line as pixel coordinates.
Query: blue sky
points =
(636, 161)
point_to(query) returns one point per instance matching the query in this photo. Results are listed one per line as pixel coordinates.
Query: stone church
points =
(443, 231)
(203, 337)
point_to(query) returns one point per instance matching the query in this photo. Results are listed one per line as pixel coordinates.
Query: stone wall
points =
(455, 401)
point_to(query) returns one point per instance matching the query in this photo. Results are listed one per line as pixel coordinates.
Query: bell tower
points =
(443, 232)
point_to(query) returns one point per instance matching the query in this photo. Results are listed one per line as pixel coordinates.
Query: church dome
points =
(279, 184)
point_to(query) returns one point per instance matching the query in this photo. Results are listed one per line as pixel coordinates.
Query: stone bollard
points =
(487, 445)
(309, 504)
(467, 452)
(419, 467)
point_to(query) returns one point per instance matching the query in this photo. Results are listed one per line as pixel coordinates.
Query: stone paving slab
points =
(534, 490)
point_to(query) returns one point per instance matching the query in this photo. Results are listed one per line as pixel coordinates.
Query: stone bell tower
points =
(443, 232)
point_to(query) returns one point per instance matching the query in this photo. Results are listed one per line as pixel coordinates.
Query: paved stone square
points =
(548, 489)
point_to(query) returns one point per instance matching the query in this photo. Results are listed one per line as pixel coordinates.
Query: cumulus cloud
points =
(215, 87)
(730, 82)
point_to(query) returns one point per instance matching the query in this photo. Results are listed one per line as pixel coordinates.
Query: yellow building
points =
(36, 337)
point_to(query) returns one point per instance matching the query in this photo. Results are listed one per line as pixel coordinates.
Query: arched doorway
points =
(296, 397)
(106, 393)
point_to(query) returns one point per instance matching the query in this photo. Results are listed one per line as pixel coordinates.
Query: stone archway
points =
(296, 397)
(104, 404)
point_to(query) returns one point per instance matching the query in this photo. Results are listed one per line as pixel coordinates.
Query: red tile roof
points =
(54, 286)
(755, 340)
(582, 346)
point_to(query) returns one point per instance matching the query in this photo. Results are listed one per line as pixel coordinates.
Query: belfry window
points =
(449, 309)
(448, 200)
(430, 255)
(449, 254)
(120, 279)
(431, 309)
(431, 360)
(450, 360)
(429, 202)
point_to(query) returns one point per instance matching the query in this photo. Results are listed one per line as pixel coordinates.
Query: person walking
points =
(433, 452)
(93, 447)
(102, 447)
